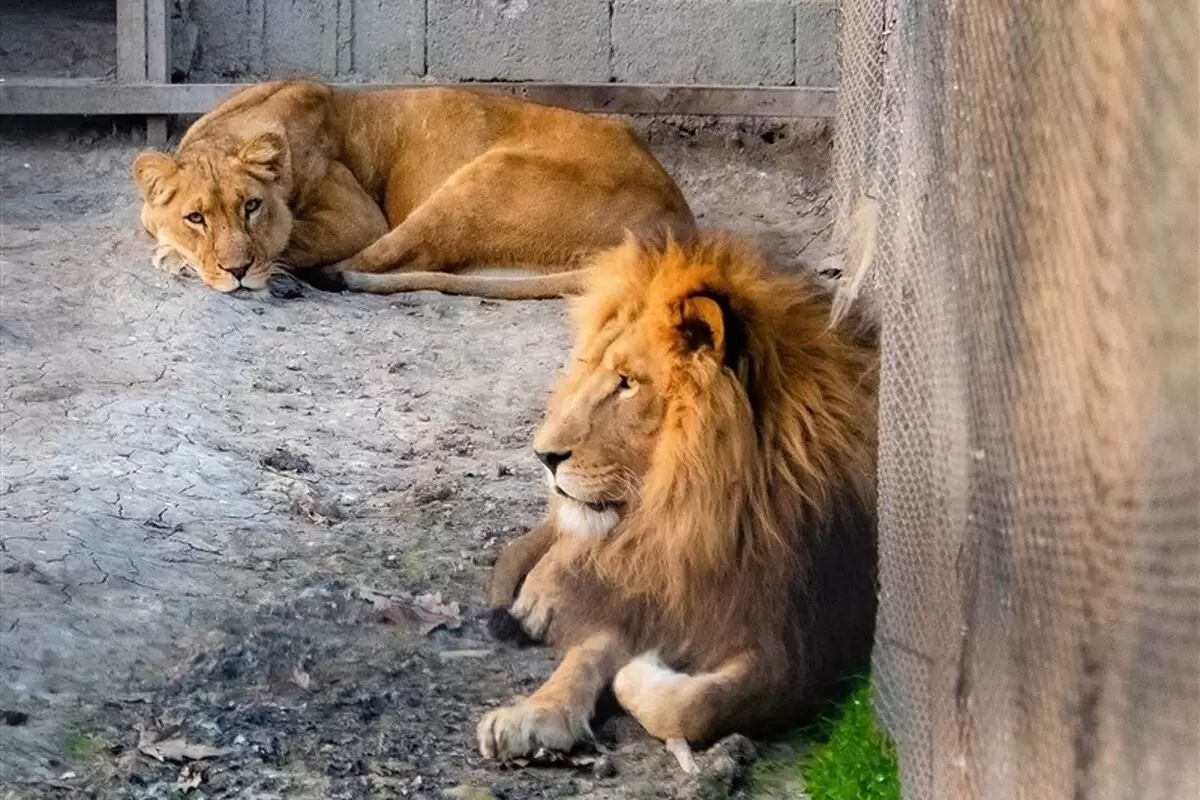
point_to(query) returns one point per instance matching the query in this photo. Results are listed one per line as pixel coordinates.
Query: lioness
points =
(399, 190)
(710, 543)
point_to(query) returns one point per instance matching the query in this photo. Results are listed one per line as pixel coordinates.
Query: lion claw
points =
(528, 727)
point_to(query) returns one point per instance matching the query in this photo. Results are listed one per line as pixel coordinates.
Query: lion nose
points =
(551, 458)
(239, 272)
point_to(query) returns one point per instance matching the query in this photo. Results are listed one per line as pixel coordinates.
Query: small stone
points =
(604, 768)
(727, 767)
(285, 460)
(466, 791)
(14, 718)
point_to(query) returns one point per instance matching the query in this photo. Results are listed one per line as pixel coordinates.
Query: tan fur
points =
(400, 190)
(730, 425)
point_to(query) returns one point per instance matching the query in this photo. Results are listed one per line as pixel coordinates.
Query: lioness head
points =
(224, 212)
(646, 351)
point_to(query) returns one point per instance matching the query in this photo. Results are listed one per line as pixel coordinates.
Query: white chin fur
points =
(580, 520)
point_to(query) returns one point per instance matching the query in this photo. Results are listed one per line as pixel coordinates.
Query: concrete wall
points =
(721, 42)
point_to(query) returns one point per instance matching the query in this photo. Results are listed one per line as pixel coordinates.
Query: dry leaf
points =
(432, 606)
(177, 749)
(379, 601)
(188, 780)
(301, 678)
(548, 758)
(421, 615)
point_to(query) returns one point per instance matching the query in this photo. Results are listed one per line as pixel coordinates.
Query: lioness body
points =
(710, 544)
(403, 189)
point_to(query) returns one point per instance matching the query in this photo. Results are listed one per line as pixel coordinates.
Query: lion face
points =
(619, 400)
(598, 436)
(224, 215)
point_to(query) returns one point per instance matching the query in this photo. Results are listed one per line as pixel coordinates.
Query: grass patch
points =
(85, 746)
(851, 758)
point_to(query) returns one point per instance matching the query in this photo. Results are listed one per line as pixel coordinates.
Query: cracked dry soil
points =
(205, 497)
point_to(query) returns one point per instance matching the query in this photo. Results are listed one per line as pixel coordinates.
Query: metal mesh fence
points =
(1034, 168)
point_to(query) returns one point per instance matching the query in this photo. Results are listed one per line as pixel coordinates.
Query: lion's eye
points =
(196, 218)
(627, 387)
(252, 205)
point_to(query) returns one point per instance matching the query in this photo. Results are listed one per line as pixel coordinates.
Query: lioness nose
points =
(551, 458)
(239, 272)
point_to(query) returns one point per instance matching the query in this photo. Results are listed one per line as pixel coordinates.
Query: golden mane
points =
(751, 455)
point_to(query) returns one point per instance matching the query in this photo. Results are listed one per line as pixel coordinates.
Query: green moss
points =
(852, 759)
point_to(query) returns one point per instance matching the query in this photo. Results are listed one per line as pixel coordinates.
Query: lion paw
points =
(504, 627)
(535, 611)
(527, 727)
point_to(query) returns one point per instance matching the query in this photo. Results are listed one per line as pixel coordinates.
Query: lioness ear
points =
(151, 171)
(702, 326)
(265, 156)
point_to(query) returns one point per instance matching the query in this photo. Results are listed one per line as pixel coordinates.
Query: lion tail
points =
(539, 287)
(860, 238)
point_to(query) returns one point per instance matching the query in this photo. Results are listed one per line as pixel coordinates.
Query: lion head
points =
(709, 409)
(222, 209)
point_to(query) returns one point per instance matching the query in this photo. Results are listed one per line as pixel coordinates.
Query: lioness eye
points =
(252, 205)
(196, 218)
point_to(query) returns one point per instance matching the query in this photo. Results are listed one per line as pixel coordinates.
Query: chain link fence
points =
(1023, 178)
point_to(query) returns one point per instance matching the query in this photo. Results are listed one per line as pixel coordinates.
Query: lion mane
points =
(737, 586)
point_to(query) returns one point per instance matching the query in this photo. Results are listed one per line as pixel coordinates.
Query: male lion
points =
(711, 533)
(427, 184)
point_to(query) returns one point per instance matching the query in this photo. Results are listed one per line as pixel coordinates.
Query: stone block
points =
(387, 41)
(517, 40)
(816, 44)
(719, 42)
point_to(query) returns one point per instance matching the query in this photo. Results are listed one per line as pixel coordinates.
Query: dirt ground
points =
(263, 525)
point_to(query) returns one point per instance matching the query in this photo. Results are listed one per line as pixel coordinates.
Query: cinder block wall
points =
(719, 42)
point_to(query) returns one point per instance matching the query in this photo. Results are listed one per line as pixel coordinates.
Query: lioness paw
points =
(282, 285)
(167, 259)
(327, 279)
(529, 726)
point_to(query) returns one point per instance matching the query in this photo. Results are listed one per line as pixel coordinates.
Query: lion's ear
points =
(152, 171)
(702, 326)
(265, 156)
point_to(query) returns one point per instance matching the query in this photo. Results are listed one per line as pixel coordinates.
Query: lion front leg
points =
(340, 221)
(516, 561)
(557, 716)
(551, 585)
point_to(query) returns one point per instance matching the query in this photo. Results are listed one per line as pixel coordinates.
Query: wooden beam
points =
(75, 96)
(158, 62)
(143, 52)
(131, 41)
